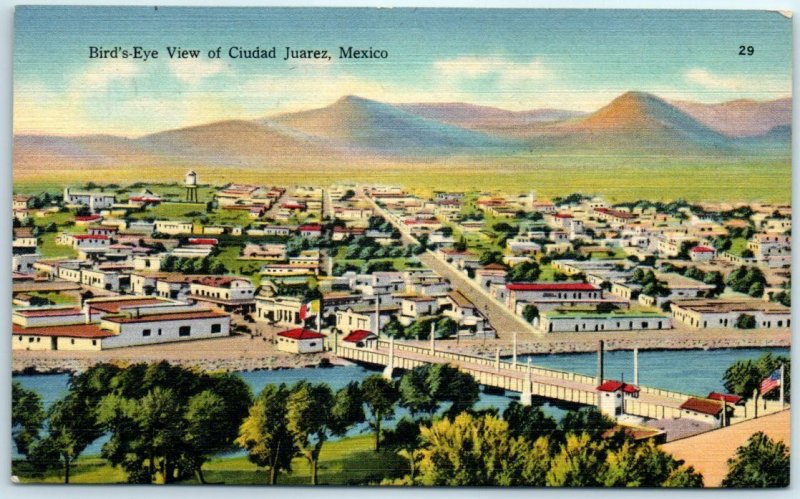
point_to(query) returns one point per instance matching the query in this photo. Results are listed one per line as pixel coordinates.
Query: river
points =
(689, 371)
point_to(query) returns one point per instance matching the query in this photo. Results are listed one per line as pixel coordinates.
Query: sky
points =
(512, 59)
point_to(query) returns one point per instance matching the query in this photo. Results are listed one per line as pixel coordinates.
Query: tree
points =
(380, 396)
(264, 433)
(530, 313)
(742, 378)
(446, 327)
(645, 465)
(746, 321)
(393, 328)
(586, 420)
(579, 463)
(71, 426)
(314, 414)
(529, 422)
(478, 451)
(524, 272)
(488, 257)
(155, 415)
(424, 388)
(761, 462)
(27, 416)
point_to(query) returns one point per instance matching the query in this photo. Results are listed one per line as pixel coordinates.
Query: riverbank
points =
(243, 353)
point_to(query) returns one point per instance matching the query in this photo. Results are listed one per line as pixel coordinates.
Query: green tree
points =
(760, 463)
(27, 416)
(529, 422)
(530, 313)
(742, 378)
(746, 321)
(524, 272)
(380, 397)
(71, 426)
(308, 419)
(423, 390)
(478, 451)
(580, 463)
(488, 257)
(645, 465)
(264, 433)
(314, 414)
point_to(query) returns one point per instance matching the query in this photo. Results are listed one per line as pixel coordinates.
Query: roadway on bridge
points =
(506, 370)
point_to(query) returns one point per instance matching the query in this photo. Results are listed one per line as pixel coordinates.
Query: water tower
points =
(190, 180)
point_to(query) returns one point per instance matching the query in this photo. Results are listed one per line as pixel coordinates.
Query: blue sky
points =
(513, 59)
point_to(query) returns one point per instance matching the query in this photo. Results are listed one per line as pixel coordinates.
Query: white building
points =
(300, 341)
(96, 201)
(703, 314)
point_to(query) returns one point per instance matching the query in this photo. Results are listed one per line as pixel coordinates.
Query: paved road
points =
(502, 320)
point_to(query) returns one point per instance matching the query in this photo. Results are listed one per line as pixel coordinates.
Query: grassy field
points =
(616, 178)
(342, 462)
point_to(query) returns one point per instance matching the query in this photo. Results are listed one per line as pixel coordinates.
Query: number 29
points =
(746, 50)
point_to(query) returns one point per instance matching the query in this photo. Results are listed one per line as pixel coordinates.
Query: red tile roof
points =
(702, 249)
(202, 240)
(74, 331)
(98, 237)
(114, 306)
(703, 406)
(301, 334)
(49, 312)
(613, 386)
(310, 227)
(359, 335)
(727, 397)
(546, 286)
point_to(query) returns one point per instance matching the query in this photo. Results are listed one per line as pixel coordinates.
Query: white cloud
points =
(704, 78)
(99, 76)
(193, 71)
(506, 71)
(761, 85)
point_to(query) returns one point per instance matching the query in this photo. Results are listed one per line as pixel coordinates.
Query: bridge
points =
(528, 380)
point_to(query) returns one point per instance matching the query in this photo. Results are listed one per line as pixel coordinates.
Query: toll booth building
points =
(611, 397)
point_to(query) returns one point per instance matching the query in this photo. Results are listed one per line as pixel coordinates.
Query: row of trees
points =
(163, 421)
(210, 265)
(444, 327)
(743, 377)
(748, 280)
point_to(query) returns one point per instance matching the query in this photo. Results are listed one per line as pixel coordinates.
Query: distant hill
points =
(740, 118)
(644, 121)
(357, 131)
(484, 117)
(374, 126)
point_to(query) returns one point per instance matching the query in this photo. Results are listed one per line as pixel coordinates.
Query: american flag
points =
(771, 382)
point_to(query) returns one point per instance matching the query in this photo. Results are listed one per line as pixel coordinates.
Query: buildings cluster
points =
(341, 261)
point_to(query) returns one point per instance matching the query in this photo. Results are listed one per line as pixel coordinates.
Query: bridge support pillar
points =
(636, 366)
(388, 371)
(497, 360)
(526, 398)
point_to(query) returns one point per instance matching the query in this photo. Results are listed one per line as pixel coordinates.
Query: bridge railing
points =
(487, 361)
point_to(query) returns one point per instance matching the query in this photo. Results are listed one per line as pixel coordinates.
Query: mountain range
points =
(354, 129)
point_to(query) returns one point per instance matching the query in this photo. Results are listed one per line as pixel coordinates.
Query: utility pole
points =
(514, 352)
(783, 394)
(433, 338)
(600, 362)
